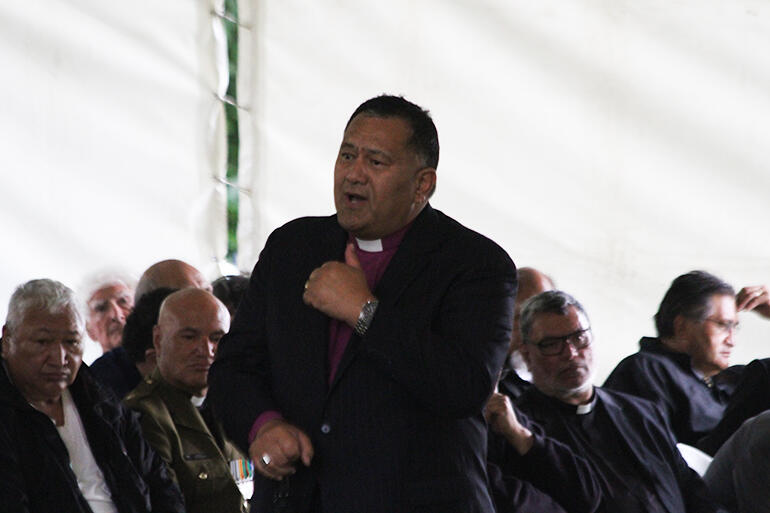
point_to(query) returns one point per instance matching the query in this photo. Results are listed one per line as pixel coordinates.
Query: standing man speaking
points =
(358, 364)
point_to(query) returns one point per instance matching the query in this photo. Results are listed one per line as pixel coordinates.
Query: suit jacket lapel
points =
(410, 259)
(317, 323)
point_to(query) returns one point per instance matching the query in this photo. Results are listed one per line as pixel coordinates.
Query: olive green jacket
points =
(198, 459)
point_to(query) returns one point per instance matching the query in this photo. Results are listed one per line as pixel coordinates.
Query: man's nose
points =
(116, 312)
(59, 353)
(355, 171)
(571, 351)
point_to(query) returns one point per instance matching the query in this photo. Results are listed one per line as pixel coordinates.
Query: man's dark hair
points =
(689, 295)
(137, 333)
(424, 138)
(230, 290)
(550, 301)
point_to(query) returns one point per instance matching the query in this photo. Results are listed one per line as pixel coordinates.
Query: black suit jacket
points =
(400, 428)
(647, 438)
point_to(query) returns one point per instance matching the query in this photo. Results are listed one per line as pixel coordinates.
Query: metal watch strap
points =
(365, 317)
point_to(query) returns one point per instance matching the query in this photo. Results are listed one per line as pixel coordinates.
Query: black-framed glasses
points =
(552, 346)
(724, 326)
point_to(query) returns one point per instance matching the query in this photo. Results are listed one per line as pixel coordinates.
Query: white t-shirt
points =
(90, 478)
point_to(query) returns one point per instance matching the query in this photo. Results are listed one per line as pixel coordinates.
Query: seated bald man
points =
(65, 446)
(172, 274)
(190, 324)
(117, 369)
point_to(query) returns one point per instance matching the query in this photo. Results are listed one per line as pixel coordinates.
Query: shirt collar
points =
(386, 243)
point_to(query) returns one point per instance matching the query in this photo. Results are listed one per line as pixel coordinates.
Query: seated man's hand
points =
(502, 419)
(339, 289)
(755, 299)
(277, 447)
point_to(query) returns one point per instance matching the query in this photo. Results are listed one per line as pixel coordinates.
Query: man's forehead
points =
(41, 321)
(557, 324)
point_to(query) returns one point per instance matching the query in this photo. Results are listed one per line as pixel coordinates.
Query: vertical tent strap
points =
(227, 13)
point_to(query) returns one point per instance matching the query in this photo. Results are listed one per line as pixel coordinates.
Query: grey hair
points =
(44, 294)
(98, 280)
(550, 301)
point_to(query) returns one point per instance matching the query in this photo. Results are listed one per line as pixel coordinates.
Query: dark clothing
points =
(35, 473)
(751, 397)
(400, 428)
(691, 406)
(627, 441)
(514, 495)
(550, 477)
(116, 371)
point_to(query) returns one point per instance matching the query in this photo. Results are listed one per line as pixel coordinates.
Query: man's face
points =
(108, 308)
(43, 353)
(569, 372)
(380, 184)
(711, 339)
(186, 341)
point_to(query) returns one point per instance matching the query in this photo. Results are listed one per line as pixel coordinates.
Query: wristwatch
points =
(365, 317)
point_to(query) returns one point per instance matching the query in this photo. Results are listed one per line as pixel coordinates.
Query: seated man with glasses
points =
(625, 439)
(685, 369)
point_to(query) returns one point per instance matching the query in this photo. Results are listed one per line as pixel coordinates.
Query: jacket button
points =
(203, 475)
(325, 428)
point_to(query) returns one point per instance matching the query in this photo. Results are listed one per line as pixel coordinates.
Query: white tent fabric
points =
(614, 145)
(111, 137)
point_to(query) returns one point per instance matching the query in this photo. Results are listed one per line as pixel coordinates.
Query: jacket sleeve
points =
(550, 466)
(448, 351)
(239, 384)
(165, 495)
(514, 495)
(13, 495)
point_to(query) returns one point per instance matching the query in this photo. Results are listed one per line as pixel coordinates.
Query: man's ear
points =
(90, 330)
(156, 334)
(150, 356)
(426, 183)
(5, 337)
(680, 326)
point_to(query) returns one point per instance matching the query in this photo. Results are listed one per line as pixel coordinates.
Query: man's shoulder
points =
(309, 226)
(653, 363)
(147, 398)
(628, 404)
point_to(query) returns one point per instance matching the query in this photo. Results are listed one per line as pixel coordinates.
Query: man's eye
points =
(549, 344)
(346, 156)
(377, 163)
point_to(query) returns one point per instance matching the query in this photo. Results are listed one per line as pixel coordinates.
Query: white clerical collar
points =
(370, 246)
(584, 409)
(197, 401)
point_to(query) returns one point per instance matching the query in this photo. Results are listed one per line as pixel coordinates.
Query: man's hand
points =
(754, 298)
(339, 289)
(502, 419)
(281, 445)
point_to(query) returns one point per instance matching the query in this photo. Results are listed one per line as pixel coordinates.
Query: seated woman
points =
(65, 445)
(685, 369)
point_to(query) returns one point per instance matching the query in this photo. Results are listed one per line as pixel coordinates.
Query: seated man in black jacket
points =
(685, 369)
(65, 446)
(626, 439)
